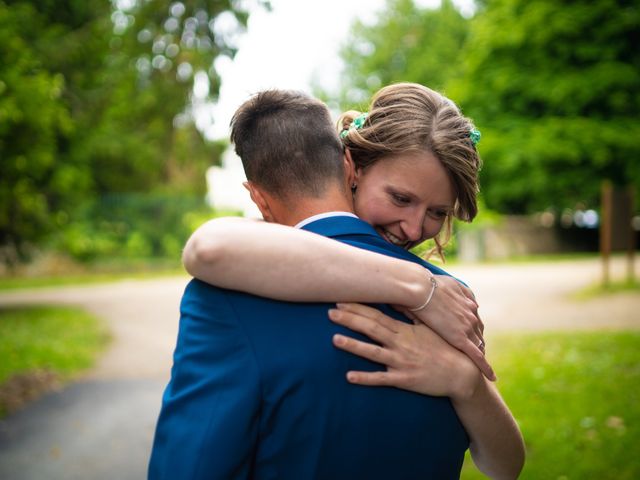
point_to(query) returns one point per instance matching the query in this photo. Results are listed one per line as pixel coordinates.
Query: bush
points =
(132, 226)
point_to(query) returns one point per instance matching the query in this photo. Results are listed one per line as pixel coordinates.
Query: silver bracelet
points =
(434, 285)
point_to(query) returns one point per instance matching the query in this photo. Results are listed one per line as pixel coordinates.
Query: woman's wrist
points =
(420, 288)
(429, 297)
(415, 286)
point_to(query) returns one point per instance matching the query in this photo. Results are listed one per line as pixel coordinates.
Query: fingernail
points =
(338, 339)
(334, 314)
(344, 305)
(351, 377)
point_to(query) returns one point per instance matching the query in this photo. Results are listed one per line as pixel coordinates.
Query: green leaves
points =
(558, 84)
(32, 122)
(406, 43)
(553, 86)
(95, 99)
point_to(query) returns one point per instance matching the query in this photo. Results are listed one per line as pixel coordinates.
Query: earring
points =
(354, 187)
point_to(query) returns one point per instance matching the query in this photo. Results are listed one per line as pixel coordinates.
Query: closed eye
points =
(400, 199)
(439, 213)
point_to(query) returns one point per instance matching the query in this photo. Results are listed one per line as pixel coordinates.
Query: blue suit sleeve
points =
(208, 423)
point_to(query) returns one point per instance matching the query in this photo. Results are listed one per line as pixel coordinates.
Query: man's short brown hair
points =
(287, 143)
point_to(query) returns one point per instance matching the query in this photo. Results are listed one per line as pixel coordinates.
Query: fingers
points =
(371, 313)
(372, 352)
(477, 326)
(479, 330)
(477, 334)
(466, 291)
(375, 379)
(366, 320)
(477, 356)
(480, 323)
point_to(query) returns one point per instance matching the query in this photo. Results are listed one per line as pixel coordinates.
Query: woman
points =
(415, 168)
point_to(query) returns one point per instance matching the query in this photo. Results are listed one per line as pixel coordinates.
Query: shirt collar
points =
(320, 216)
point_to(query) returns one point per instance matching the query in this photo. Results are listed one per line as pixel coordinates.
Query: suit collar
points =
(336, 226)
(320, 216)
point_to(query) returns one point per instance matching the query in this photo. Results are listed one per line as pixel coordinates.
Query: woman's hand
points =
(417, 359)
(452, 313)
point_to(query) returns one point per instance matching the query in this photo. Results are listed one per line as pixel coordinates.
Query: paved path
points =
(541, 296)
(101, 426)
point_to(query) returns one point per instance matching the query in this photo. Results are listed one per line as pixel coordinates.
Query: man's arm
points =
(208, 423)
(417, 359)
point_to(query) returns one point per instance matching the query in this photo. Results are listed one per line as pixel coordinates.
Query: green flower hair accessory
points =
(475, 136)
(357, 123)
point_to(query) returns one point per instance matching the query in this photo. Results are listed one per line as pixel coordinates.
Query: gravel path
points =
(101, 426)
(541, 296)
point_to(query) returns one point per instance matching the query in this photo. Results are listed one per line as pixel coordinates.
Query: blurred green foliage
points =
(96, 100)
(554, 87)
(132, 226)
(406, 42)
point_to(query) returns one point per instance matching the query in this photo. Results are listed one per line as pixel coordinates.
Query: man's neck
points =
(294, 216)
(295, 210)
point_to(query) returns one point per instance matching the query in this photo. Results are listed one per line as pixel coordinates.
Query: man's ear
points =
(350, 169)
(260, 199)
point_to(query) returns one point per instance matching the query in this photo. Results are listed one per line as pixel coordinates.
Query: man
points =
(257, 389)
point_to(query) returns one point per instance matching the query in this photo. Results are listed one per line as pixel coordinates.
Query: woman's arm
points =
(497, 447)
(418, 360)
(285, 263)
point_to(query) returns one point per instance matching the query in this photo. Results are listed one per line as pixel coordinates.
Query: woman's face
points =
(405, 197)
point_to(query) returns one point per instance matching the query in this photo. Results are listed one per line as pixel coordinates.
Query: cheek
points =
(432, 228)
(375, 211)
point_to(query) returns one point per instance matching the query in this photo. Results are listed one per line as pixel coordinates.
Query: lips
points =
(391, 238)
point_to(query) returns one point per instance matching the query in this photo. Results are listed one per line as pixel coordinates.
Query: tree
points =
(33, 123)
(96, 99)
(158, 51)
(555, 89)
(406, 43)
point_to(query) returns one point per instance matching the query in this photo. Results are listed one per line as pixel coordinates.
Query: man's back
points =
(259, 391)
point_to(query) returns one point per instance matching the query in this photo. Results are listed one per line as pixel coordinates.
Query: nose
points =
(412, 227)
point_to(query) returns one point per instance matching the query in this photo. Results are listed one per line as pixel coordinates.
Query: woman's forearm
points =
(284, 263)
(497, 447)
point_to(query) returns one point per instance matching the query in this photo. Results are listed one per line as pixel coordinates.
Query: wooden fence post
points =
(631, 251)
(605, 230)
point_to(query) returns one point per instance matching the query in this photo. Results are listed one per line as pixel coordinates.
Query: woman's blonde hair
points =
(407, 118)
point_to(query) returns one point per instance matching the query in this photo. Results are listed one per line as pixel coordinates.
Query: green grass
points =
(576, 397)
(63, 340)
(612, 288)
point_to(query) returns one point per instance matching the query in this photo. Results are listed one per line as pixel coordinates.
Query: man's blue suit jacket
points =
(258, 391)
